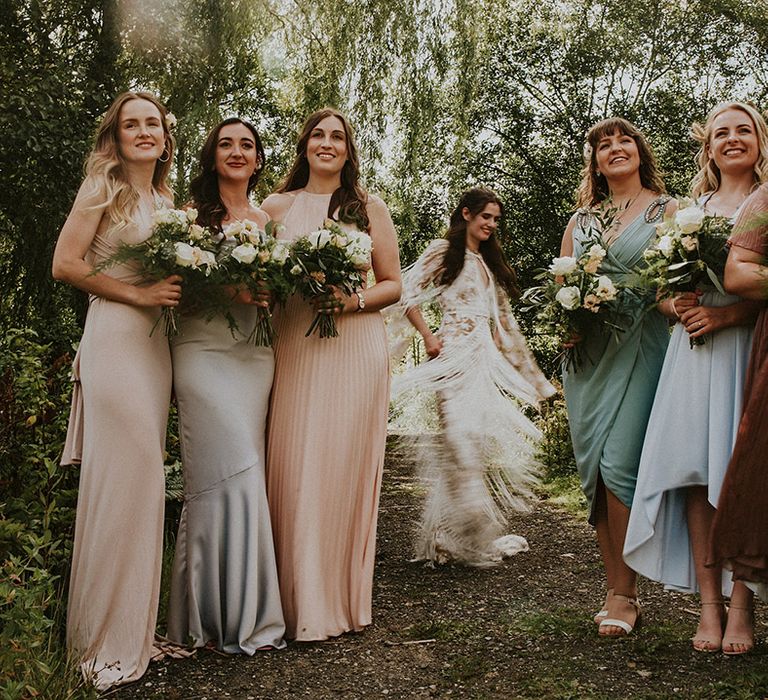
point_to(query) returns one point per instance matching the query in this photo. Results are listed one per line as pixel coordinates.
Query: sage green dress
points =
(609, 397)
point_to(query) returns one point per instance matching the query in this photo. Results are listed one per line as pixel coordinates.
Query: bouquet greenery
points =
(253, 259)
(335, 256)
(176, 246)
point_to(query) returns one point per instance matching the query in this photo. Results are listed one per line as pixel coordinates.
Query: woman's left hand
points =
(701, 320)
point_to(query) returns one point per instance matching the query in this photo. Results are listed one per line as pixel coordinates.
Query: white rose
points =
(234, 230)
(263, 256)
(689, 219)
(666, 245)
(340, 241)
(191, 215)
(185, 254)
(196, 232)
(296, 270)
(205, 258)
(562, 266)
(244, 253)
(360, 259)
(596, 251)
(569, 297)
(162, 216)
(361, 242)
(280, 253)
(605, 288)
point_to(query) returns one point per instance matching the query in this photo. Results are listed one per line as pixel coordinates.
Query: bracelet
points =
(360, 300)
(674, 308)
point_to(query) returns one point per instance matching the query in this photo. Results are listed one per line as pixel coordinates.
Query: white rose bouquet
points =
(177, 246)
(574, 300)
(689, 253)
(336, 255)
(252, 258)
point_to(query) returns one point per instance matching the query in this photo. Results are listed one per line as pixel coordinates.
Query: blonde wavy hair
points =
(105, 167)
(708, 177)
(593, 188)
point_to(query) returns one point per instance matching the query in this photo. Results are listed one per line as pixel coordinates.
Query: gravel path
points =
(521, 630)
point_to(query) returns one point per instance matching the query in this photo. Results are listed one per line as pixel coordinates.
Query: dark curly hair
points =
(475, 200)
(205, 185)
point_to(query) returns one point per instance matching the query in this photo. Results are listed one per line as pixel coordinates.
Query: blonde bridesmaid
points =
(328, 416)
(120, 404)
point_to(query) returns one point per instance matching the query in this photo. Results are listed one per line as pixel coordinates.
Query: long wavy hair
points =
(105, 168)
(475, 200)
(708, 177)
(593, 188)
(204, 187)
(350, 198)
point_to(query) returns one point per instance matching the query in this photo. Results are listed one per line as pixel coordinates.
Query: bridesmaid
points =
(328, 416)
(739, 539)
(224, 589)
(679, 481)
(121, 397)
(609, 399)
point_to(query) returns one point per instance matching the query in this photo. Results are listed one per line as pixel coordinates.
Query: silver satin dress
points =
(224, 587)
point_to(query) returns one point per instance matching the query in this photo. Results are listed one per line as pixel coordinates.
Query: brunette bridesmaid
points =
(224, 590)
(328, 416)
(609, 399)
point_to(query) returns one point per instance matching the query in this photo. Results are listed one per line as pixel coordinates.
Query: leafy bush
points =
(37, 500)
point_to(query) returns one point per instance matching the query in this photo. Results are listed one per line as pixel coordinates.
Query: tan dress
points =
(117, 434)
(325, 452)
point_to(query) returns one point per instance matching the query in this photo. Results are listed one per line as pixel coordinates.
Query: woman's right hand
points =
(433, 345)
(166, 292)
(674, 307)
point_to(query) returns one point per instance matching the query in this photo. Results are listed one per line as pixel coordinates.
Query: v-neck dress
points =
(480, 460)
(609, 397)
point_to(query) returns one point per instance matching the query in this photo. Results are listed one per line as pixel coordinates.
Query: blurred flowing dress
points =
(740, 530)
(224, 586)
(326, 439)
(480, 462)
(117, 433)
(689, 441)
(609, 397)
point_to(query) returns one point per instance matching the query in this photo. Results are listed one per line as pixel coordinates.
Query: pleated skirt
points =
(325, 454)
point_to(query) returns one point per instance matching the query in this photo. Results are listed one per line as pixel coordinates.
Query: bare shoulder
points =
(261, 217)
(376, 203)
(276, 206)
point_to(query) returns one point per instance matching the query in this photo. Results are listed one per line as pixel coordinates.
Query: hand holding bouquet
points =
(689, 253)
(176, 246)
(332, 257)
(574, 300)
(253, 259)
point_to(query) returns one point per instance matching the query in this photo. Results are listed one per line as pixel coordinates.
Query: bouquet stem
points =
(263, 333)
(325, 324)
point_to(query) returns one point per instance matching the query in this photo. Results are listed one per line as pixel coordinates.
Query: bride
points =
(480, 369)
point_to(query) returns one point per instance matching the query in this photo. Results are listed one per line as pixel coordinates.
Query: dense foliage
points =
(444, 94)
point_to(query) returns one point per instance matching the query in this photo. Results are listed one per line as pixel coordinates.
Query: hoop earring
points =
(167, 154)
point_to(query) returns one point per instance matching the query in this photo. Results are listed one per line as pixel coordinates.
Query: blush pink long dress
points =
(325, 453)
(117, 435)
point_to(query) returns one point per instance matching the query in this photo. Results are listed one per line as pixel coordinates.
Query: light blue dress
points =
(224, 586)
(689, 441)
(609, 396)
